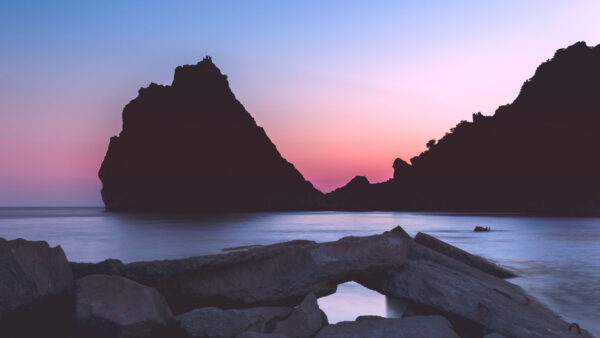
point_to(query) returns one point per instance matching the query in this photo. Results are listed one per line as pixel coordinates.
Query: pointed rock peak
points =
(400, 168)
(400, 163)
(358, 180)
(203, 74)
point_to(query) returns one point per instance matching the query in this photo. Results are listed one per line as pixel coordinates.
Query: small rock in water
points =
(481, 229)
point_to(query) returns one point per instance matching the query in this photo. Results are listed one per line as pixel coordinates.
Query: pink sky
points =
(338, 98)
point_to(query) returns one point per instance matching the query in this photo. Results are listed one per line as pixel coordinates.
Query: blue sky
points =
(341, 87)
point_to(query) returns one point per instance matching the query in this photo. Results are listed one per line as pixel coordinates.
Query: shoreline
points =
(285, 274)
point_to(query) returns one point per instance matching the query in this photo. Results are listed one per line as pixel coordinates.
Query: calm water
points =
(558, 258)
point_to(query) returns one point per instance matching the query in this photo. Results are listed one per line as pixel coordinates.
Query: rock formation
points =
(279, 274)
(442, 296)
(378, 327)
(192, 146)
(36, 287)
(113, 306)
(214, 322)
(475, 261)
(538, 153)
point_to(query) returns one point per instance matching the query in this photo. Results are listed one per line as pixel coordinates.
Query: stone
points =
(305, 321)
(250, 334)
(475, 261)
(494, 335)
(410, 327)
(36, 287)
(113, 306)
(274, 275)
(475, 302)
(214, 322)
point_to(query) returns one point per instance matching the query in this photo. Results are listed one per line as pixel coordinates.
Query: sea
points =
(557, 259)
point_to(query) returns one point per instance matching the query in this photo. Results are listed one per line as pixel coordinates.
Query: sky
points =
(341, 87)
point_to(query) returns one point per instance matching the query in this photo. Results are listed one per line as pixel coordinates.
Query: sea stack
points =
(193, 147)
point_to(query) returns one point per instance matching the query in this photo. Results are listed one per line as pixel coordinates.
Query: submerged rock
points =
(192, 146)
(475, 261)
(279, 274)
(113, 306)
(214, 322)
(36, 287)
(373, 327)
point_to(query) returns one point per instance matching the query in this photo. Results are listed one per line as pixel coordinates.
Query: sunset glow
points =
(340, 91)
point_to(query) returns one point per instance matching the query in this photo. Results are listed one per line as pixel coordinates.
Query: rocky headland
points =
(537, 154)
(268, 291)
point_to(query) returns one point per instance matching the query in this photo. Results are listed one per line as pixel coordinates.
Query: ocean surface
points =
(558, 259)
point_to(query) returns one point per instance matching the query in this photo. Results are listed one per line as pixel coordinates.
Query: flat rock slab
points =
(410, 327)
(36, 286)
(475, 261)
(460, 292)
(214, 322)
(274, 275)
(113, 306)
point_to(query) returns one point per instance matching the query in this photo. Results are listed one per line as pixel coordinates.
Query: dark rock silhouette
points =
(192, 146)
(537, 154)
(36, 289)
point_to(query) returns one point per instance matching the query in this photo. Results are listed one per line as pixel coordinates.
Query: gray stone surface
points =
(250, 334)
(411, 327)
(494, 335)
(36, 289)
(305, 321)
(280, 274)
(113, 306)
(475, 261)
(30, 271)
(214, 322)
(437, 282)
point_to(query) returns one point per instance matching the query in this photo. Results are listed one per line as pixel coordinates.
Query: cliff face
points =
(192, 146)
(539, 153)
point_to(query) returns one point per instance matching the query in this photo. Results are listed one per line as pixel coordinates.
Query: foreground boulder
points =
(306, 320)
(475, 261)
(214, 322)
(36, 286)
(113, 306)
(280, 274)
(475, 302)
(377, 327)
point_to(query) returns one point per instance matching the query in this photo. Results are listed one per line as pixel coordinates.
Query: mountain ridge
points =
(478, 166)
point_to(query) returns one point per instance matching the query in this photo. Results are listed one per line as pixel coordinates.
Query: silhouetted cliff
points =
(192, 146)
(540, 153)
